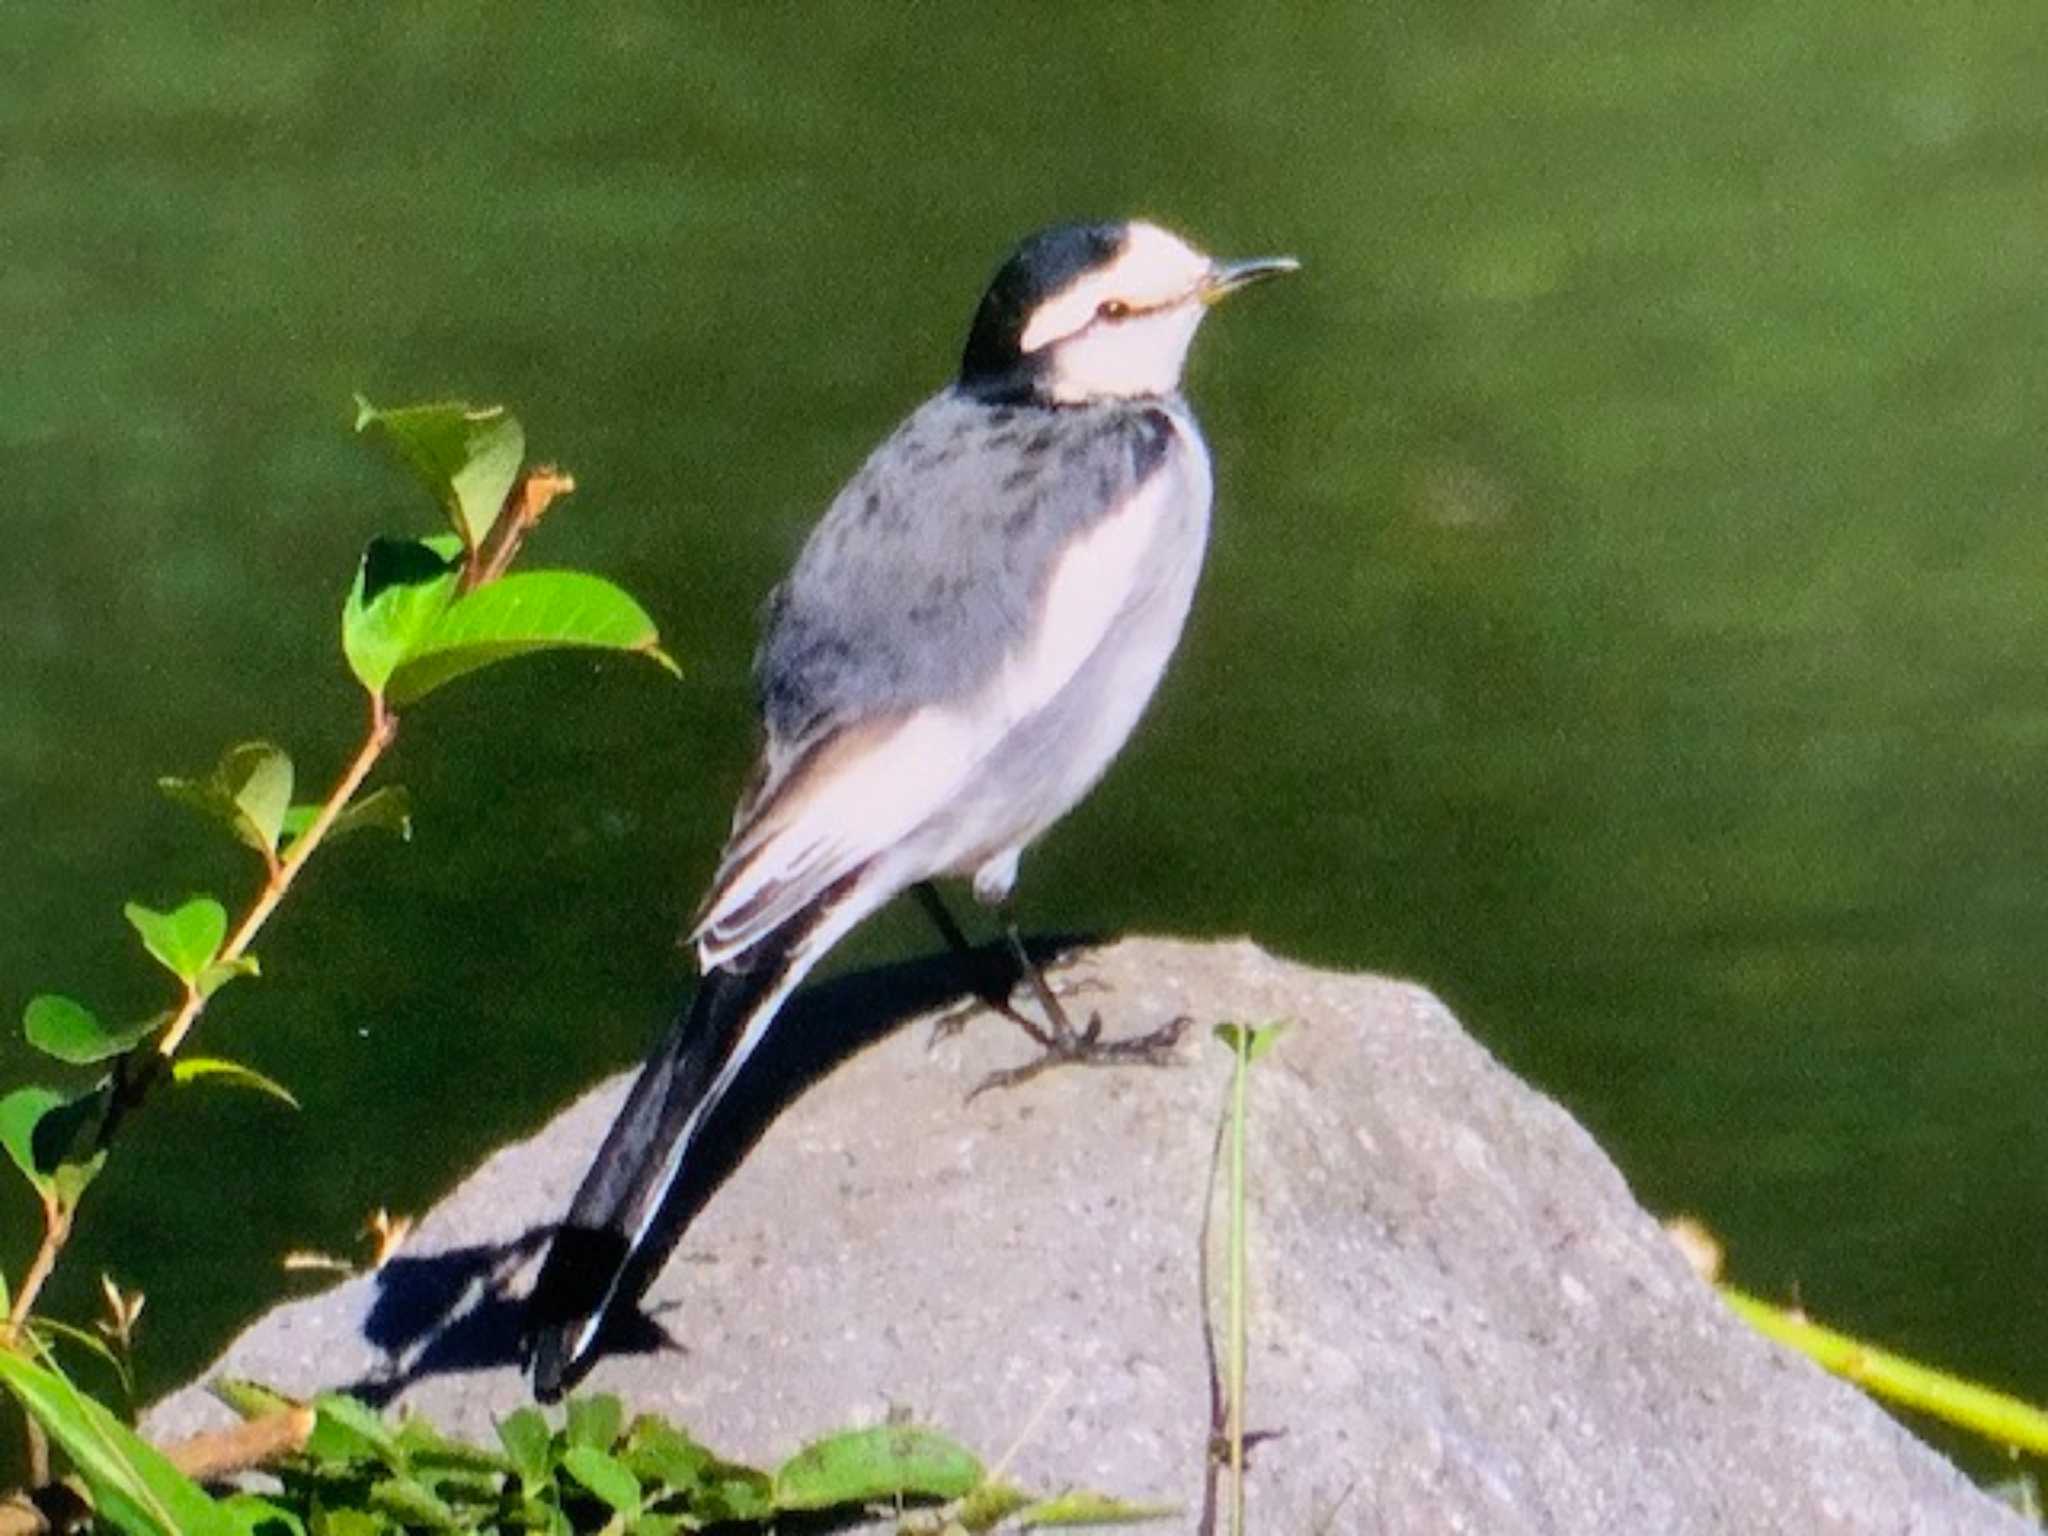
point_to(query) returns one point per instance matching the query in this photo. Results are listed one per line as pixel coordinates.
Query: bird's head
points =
(1097, 312)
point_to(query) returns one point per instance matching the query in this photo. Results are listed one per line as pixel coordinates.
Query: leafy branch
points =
(335, 1464)
(420, 613)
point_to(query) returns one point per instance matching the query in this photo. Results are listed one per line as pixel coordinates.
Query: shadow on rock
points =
(457, 1311)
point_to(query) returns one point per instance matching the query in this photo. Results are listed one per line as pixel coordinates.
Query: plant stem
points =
(215, 1454)
(523, 508)
(56, 1229)
(56, 1218)
(1237, 1247)
(383, 730)
(1213, 1451)
(2009, 1420)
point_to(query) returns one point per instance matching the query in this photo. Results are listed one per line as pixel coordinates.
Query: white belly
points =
(1110, 620)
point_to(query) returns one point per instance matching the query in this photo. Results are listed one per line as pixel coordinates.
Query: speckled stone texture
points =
(1461, 1321)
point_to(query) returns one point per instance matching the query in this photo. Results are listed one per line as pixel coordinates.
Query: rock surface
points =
(1460, 1320)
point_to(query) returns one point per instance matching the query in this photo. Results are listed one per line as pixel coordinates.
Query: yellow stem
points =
(1999, 1415)
(56, 1228)
(1237, 1301)
(524, 506)
(57, 1219)
(383, 730)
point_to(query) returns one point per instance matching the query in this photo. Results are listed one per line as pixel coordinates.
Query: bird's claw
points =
(1087, 1048)
(955, 1019)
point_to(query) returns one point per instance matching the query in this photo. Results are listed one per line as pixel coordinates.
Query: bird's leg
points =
(1064, 1038)
(1064, 1045)
(990, 976)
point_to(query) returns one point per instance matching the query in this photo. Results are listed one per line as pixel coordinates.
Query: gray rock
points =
(1460, 1320)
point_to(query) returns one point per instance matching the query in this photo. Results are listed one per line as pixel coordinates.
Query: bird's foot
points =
(953, 1020)
(1068, 1047)
(956, 1018)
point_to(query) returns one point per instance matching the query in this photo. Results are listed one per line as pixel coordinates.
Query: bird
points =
(966, 640)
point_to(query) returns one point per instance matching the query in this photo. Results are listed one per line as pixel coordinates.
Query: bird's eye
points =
(1112, 309)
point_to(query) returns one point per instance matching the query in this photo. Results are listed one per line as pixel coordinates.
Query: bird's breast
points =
(1119, 581)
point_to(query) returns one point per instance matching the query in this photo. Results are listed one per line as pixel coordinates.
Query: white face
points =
(1123, 330)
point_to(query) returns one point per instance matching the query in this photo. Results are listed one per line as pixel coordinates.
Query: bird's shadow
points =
(460, 1310)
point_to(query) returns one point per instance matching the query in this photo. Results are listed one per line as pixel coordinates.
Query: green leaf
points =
(606, 1476)
(184, 941)
(382, 810)
(662, 1456)
(734, 1492)
(1251, 1040)
(192, 1069)
(347, 1430)
(20, 1112)
(401, 588)
(988, 1506)
(1081, 1506)
(343, 1521)
(249, 789)
(530, 1444)
(413, 1503)
(249, 1399)
(72, 1177)
(255, 1515)
(887, 1462)
(259, 776)
(436, 1456)
(594, 1420)
(220, 973)
(133, 1487)
(43, 1131)
(517, 615)
(68, 1030)
(54, 1329)
(467, 458)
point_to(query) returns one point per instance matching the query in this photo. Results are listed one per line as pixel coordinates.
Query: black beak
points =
(1226, 279)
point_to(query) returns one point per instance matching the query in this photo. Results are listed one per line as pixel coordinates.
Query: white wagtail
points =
(966, 641)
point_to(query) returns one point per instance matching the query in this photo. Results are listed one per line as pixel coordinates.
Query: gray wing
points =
(926, 569)
(905, 605)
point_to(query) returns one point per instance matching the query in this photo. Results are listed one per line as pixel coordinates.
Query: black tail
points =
(623, 1214)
